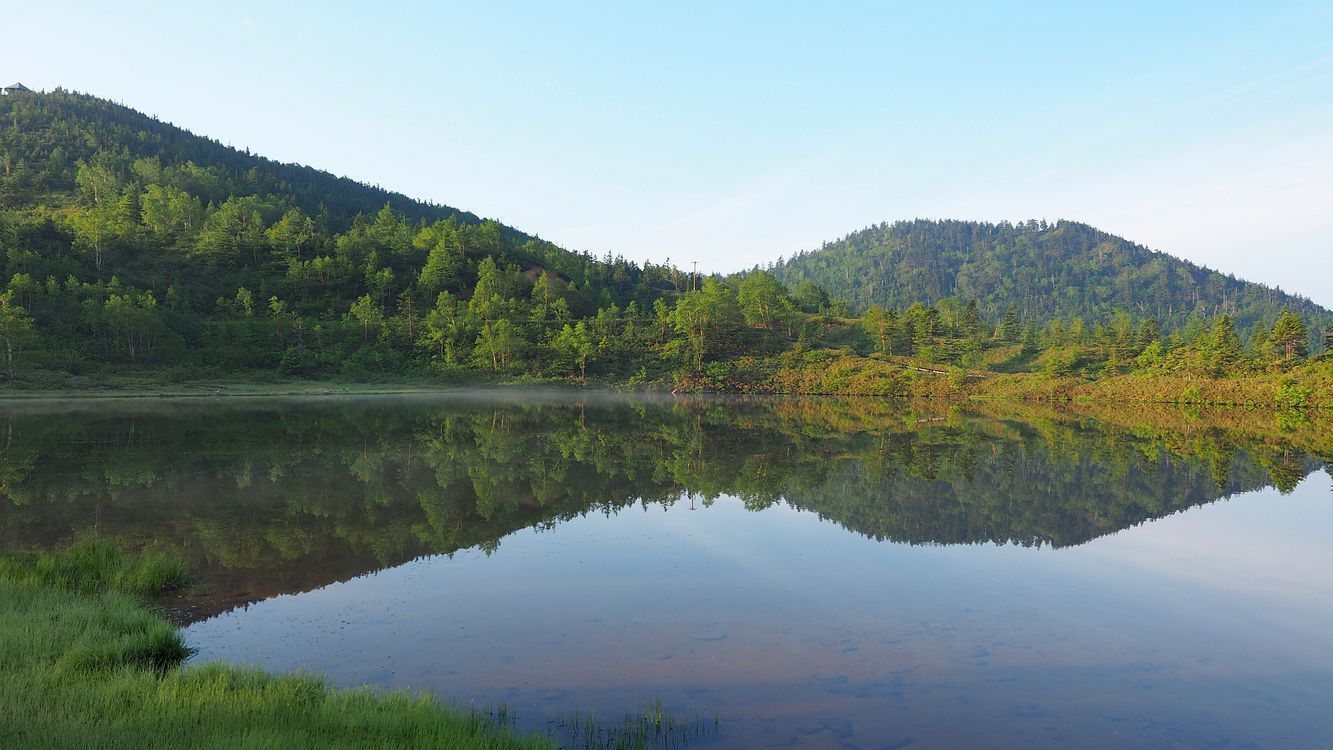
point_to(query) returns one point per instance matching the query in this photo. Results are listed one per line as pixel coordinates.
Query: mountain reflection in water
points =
(787, 627)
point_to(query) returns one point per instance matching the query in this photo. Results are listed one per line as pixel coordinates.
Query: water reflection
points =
(574, 574)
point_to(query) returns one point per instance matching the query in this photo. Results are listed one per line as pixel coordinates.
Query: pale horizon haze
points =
(732, 134)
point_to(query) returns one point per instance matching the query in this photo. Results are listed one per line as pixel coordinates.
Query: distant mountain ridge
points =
(1046, 271)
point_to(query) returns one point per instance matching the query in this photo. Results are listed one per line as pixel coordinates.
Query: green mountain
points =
(1047, 271)
(46, 136)
(132, 248)
(126, 242)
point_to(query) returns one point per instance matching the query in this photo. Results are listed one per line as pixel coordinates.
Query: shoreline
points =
(1246, 392)
(88, 624)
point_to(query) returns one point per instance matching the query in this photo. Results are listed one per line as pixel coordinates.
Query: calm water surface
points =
(814, 574)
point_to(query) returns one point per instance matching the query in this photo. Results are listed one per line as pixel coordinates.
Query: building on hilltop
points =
(16, 88)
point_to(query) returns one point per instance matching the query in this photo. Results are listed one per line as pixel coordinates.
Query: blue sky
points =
(734, 133)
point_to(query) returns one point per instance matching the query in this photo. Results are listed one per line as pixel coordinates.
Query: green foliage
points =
(709, 319)
(812, 298)
(16, 329)
(765, 303)
(1032, 271)
(130, 247)
(1294, 395)
(91, 566)
(575, 345)
(83, 664)
(326, 490)
(1290, 336)
(1221, 349)
(1010, 327)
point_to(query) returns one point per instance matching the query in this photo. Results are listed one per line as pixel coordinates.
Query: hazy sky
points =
(731, 133)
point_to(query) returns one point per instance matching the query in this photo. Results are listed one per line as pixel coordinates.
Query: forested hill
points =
(131, 248)
(131, 243)
(45, 137)
(1047, 271)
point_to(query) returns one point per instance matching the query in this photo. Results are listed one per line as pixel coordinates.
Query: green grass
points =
(94, 567)
(85, 664)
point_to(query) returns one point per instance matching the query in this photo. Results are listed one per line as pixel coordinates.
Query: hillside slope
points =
(133, 249)
(45, 137)
(1046, 271)
(131, 243)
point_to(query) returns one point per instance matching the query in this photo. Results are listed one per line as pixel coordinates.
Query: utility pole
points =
(694, 278)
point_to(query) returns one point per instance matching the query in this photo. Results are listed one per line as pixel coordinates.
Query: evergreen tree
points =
(1149, 331)
(1010, 328)
(1222, 348)
(290, 237)
(971, 322)
(443, 269)
(1290, 336)
(1031, 344)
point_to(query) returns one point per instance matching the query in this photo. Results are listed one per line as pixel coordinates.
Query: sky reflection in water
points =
(869, 574)
(1204, 628)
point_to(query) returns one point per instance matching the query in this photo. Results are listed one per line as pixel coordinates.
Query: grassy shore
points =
(1307, 385)
(828, 372)
(151, 385)
(85, 663)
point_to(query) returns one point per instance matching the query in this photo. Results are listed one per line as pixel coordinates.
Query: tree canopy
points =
(1043, 271)
(129, 245)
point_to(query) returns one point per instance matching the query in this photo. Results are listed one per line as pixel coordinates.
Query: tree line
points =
(128, 245)
(1046, 271)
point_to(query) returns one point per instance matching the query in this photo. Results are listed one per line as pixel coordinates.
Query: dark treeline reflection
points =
(270, 496)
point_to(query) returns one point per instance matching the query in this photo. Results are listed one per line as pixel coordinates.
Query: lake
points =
(790, 572)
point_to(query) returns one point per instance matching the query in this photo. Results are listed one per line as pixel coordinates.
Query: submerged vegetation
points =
(134, 250)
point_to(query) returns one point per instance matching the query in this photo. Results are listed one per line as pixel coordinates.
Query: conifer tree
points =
(1290, 336)
(971, 323)
(1009, 329)
(1222, 347)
